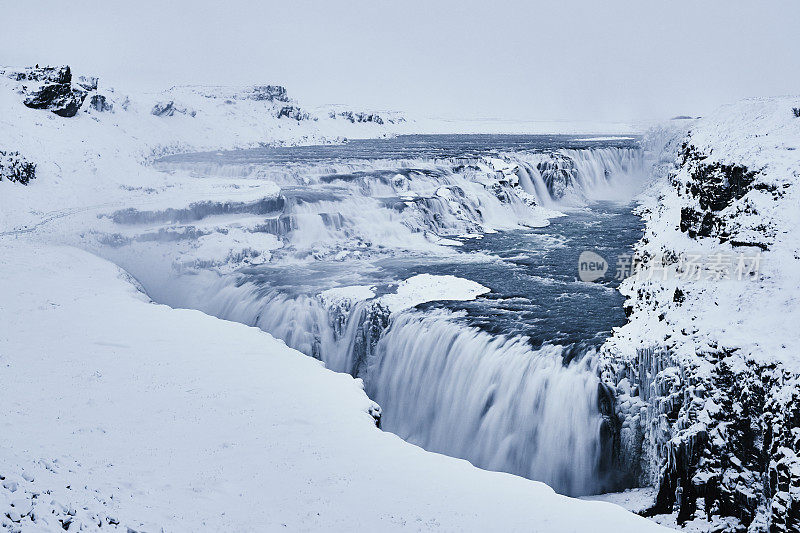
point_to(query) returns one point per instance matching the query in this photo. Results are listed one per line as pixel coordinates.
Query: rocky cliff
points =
(706, 372)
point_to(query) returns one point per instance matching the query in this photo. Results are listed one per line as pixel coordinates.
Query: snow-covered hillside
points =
(706, 370)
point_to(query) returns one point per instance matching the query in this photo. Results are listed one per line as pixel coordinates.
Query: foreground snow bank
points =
(124, 413)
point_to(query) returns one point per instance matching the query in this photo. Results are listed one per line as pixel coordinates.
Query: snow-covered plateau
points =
(218, 312)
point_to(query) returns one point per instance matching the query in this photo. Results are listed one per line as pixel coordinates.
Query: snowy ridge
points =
(706, 370)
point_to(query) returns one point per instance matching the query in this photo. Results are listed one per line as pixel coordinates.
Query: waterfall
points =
(448, 387)
(531, 180)
(493, 400)
(577, 176)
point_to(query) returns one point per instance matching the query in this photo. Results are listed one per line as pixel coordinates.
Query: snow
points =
(756, 316)
(424, 288)
(635, 500)
(142, 416)
(346, 295)
(231, 250)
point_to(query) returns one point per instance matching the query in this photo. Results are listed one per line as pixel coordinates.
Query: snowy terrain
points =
(120, 413)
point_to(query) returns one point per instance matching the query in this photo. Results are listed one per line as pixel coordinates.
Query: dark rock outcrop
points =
(53, 88)
(714, 187)
(293, 112)
(168, 109)
(61, 98)
(15, 168)
(714, 430)
(726, 439)
(359, 117)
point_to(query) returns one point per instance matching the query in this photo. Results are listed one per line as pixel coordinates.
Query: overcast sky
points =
(559, 60)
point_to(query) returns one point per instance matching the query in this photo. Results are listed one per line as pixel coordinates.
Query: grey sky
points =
(572, 60)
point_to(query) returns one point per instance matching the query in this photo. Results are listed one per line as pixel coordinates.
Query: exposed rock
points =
(715, 430)
(269, 93)
(293, 112)
(168, 109)
(98, 102)
(359, 117)
(52, 88)
(63, 99)
(558, 173)
(15, 168)
(716, 190)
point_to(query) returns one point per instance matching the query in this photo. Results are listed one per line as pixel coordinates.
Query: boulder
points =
(98, 102)
(61, 98)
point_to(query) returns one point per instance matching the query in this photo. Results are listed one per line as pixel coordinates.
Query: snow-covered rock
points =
(423, 288)
(15, 168)
(707, 369)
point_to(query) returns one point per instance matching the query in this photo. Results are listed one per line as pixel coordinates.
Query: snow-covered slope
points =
(707, 368)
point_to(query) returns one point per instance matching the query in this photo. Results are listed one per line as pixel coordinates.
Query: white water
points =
(576, 176)
(448, 387)
(490, 399)
(445, 386)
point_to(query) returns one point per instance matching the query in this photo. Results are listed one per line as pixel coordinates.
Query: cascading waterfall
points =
(577, 176)
(449, 387)
(493, 400)
(551, 177)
